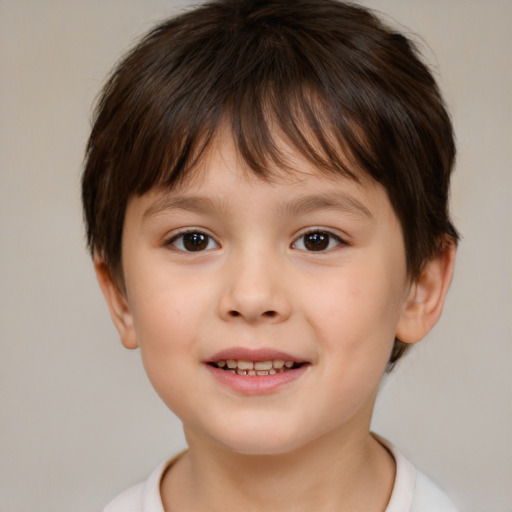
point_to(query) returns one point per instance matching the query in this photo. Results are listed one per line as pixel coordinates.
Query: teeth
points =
(243, 367)
(263, 365)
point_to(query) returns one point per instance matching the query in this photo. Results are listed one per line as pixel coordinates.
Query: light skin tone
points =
(308, 265)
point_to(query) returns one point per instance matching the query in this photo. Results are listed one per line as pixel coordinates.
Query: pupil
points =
(316, 241)
(195, 241)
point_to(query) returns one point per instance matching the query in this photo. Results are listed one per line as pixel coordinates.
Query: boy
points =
(266, 198)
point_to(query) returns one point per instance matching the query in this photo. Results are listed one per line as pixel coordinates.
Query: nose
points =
(254, 291)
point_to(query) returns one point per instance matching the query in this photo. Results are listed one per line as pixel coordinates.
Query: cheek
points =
(168, 309)
(357, 304)
(355, 335)
(166, 325)
(355, 321)
(167, 318)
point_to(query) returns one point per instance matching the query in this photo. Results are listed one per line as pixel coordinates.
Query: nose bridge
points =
(255, 286)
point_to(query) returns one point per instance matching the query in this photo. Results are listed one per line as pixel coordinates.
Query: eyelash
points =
(181, 237)
(331, 237)
(204, 241)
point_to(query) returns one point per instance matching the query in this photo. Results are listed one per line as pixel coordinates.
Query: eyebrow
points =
(195, 204)
(301, 205)
(327, 201)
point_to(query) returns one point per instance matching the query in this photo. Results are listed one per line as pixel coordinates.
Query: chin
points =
(260, 441)
(263, 448)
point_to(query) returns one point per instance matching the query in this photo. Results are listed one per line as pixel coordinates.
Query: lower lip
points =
(256, 384)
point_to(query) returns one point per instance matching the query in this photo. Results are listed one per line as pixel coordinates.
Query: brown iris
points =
(316, 241)
(195, 241)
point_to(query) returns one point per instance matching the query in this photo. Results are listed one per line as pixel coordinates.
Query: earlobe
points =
(117, 304)
(425, 301)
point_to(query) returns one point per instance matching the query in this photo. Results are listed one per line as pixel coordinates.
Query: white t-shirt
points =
(412, 491)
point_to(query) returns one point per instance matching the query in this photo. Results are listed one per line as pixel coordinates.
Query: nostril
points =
(267, 314)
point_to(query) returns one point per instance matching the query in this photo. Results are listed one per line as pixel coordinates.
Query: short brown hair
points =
(342, 88)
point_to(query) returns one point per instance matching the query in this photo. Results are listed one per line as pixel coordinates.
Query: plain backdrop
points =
(79, 421)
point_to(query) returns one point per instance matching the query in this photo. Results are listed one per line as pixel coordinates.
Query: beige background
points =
(79, 421)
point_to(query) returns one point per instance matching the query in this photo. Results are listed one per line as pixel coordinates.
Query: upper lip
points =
(260, 354)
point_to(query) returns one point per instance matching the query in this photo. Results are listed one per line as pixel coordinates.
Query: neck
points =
(334, 473)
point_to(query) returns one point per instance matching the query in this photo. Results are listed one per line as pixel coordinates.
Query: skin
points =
(306, 445)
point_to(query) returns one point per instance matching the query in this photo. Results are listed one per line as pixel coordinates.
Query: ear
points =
(117, 304)
(425, 301)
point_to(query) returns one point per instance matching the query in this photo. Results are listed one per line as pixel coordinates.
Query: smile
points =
(256, 368)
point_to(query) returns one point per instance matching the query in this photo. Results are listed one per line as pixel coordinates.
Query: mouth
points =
(256, 368)
(255, 372)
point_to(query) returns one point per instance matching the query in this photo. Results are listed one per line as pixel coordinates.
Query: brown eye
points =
(317, 241)
(193, 241)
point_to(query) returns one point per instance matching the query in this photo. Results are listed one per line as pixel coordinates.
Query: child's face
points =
(309, 269)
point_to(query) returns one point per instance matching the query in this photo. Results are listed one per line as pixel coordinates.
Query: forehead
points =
(281, 163)
(223, 179)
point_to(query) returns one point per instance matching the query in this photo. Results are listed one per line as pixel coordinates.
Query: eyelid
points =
(170, 239)
(341, 240)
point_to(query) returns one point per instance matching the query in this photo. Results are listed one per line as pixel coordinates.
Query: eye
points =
(317, 241)
(193, 241)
